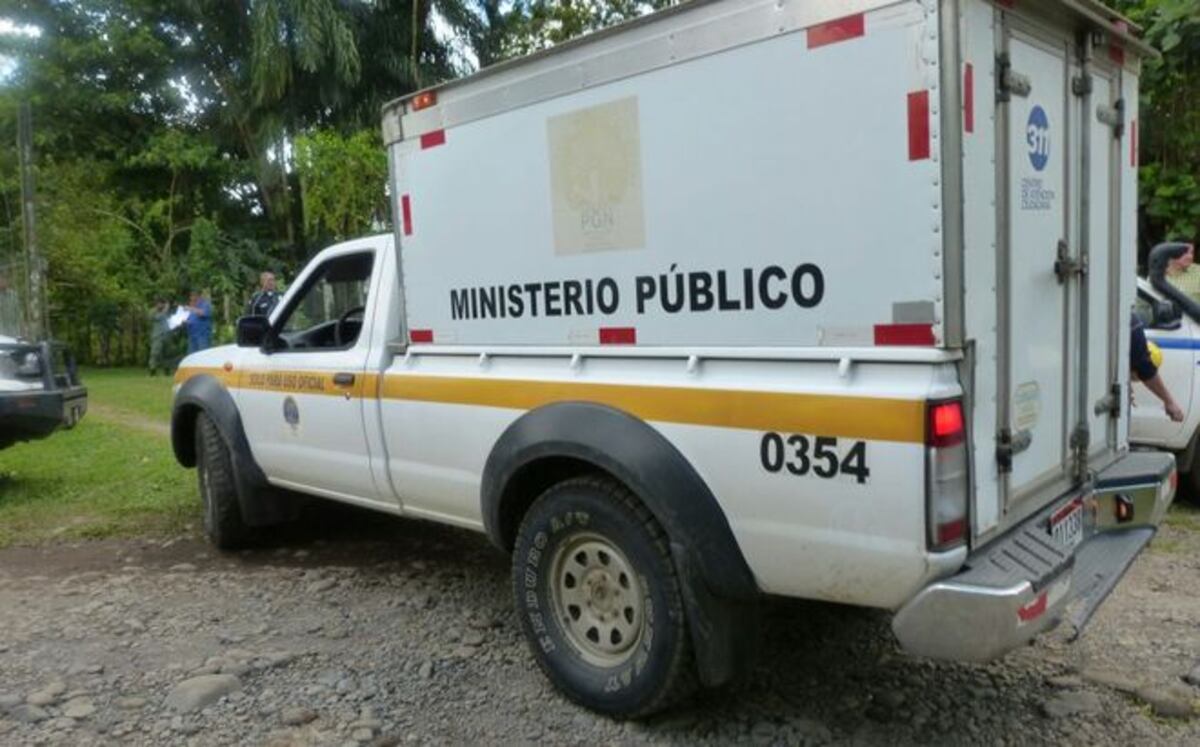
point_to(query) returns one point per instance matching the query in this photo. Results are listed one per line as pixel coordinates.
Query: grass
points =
(131, 390)
(1184, 515)
(102, 478)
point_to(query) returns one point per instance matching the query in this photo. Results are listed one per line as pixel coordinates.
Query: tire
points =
(1188, 489)
(223, 523)
(599, 601)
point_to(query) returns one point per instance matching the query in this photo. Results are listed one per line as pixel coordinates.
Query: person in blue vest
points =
(199, 322)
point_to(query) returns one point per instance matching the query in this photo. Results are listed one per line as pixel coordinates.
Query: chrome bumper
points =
(1025, 582)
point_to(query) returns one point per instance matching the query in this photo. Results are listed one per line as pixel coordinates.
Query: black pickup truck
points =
(40, 390)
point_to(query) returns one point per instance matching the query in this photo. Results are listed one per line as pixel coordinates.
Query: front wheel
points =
(223, 522)
(599, 600)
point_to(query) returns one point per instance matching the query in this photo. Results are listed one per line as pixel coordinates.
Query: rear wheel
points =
(599, 600)
(223, 523)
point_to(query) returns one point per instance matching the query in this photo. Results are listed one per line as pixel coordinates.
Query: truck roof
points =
(1118, 26)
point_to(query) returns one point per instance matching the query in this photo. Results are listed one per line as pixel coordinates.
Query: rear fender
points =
(719, 589)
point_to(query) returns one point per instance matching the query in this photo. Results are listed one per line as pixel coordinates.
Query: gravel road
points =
(369, 630)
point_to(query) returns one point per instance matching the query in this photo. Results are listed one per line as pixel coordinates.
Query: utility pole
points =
(35, 302)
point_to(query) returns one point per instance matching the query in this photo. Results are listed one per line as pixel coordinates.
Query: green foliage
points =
(1170, 198)
(343, 181)
(554, 21)
(1169, 118)
(312, 36)
(495, 30)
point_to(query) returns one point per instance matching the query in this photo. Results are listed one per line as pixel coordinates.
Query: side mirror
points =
(252, 331)
(1166, 315)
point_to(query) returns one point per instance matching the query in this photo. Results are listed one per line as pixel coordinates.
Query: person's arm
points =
(1155, 384)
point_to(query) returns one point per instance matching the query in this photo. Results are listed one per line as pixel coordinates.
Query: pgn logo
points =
(1037, 135)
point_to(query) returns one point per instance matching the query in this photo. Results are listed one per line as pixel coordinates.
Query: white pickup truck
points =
(748, 297)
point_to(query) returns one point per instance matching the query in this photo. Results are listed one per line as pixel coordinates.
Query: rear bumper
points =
(1026, 582)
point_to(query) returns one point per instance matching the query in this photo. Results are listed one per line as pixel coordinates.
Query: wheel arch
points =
(552, 442)
(261, 504)
(204, 393)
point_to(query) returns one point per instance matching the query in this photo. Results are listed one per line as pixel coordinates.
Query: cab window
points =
(327, 313)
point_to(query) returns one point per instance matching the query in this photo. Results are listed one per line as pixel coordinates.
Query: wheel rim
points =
(598, 599)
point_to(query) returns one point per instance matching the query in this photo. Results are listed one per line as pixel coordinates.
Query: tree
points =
(343, 179)
(496, 30)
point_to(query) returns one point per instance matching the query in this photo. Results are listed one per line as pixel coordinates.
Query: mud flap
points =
(724, 632)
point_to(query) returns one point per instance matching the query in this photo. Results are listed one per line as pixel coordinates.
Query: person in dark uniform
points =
(160, 330)
(263, 301)
(1145, 370)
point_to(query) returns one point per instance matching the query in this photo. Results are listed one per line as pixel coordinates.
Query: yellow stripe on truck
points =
(868, 418)
(227, 377)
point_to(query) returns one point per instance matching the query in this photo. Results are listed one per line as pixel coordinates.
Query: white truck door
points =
(1105, 321)
(1034, 223)
(302, 401)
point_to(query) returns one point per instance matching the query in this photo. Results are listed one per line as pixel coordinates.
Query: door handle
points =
(343, 379)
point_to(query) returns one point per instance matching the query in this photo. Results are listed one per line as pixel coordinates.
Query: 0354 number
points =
(801, 455)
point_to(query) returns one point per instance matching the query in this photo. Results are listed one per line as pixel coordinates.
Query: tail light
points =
(946, 475)
(424, 100)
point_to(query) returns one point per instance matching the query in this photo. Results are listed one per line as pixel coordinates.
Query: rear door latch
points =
(1109, 404)
(1009, 444)
(1065, 266)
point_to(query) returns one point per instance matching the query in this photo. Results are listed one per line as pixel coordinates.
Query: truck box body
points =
(716, 201)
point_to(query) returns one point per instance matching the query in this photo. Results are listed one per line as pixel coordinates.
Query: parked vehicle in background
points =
(1172, 319)
(741, 298)
(40, 390)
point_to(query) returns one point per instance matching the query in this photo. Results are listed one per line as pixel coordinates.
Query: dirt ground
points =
(362, 629)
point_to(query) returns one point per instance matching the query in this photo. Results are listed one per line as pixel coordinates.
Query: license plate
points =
(1066, 524)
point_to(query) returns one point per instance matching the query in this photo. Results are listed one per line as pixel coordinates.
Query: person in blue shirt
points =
(199, 322)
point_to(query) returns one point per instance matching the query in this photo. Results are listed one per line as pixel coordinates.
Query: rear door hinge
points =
(1081, 85)
(1081, 436)
(1009, 81)
(1065, 266)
